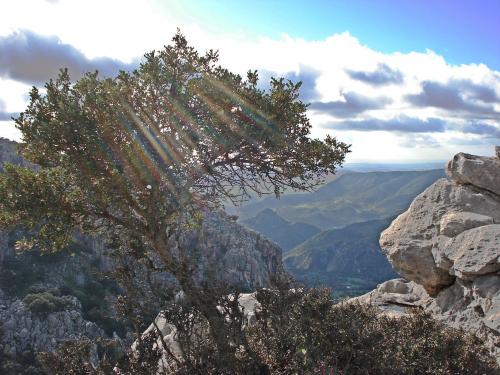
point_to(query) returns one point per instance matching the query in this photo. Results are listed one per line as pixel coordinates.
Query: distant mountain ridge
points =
(286, 234)
(350, 198)
(351, 211)
(348, 259)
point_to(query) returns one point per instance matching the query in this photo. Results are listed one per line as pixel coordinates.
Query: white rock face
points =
(419, 242)
(454, 223)
(248, 304)
(447, 247)
(474, 252)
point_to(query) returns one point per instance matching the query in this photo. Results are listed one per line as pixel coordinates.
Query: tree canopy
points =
(138, 157)
(135, 150)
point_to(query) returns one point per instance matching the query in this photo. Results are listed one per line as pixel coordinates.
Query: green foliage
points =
(96, 307)
(44, 200)
(303, 331)
(136, 150)
(348, 259)
(299, 331)
(17, 276)
(23, 364)
(71, 358)
(137, 157)
(46, 302)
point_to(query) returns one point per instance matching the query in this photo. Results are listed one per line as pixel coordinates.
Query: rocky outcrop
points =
(477, 171)
(248, 305)
(447, 248)
(450, 230)
(242, 257)
(24, 330)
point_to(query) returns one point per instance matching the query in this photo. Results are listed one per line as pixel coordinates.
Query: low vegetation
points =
(297, 331)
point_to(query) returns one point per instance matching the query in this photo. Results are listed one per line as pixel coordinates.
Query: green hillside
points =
(351, 198)
(286, 234)
(348, 259)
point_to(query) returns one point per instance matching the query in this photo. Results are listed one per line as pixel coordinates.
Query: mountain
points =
(348, 199)
(348, 260)
(288, 235)
(381, 167)
(351, 211)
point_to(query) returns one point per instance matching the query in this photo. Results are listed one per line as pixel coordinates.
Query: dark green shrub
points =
(304, 332)
(45, 302)
(300, 332)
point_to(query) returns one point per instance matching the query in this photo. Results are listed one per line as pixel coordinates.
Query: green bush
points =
(305, 332)
(45, 302)
(298, 332)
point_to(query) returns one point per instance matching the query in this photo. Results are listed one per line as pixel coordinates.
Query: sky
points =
(402, 81)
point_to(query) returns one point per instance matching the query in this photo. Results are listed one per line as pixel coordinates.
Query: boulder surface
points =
(446, 246)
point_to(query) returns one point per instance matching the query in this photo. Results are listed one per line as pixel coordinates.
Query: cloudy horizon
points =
(392, 106)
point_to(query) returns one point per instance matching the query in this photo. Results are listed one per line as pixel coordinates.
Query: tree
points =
(138, 157)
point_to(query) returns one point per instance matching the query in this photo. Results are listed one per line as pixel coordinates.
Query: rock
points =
(24, 330)
(497, 151)
(248, 305)
(393, 297)
(415, 242)
(447, 245)
(454, 223)
(474, 252)
(482, 172)
(243, 257)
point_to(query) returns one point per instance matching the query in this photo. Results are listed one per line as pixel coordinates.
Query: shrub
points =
(299, 332)
(303, 331)
(45, 302)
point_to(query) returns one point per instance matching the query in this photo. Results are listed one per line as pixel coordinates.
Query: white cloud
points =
(124, 30)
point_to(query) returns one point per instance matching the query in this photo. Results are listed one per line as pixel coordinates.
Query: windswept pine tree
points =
(139, 157)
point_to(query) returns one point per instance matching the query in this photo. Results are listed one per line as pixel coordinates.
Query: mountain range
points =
(348, 199)
(286, 234)
(330, 236)
(348, 260)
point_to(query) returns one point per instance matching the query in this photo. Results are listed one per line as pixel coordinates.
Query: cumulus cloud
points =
(406, 124)
(307, 75)
(31, 58)
(419, 141)
(461, 96)
(4, 114)
(367, 95)
(352, 105)
(473, 127)
(7, 116)
(383, 75)
(403, 124)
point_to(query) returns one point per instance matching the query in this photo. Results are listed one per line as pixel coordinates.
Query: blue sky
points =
(402, 81)
(464, 31)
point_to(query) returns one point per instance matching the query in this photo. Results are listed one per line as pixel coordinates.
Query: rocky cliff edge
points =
(447, 248)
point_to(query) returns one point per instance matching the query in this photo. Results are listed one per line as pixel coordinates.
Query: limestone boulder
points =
(478, 171)
(447, 247)
(474, 252)
(417, 242)
(454, 223)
